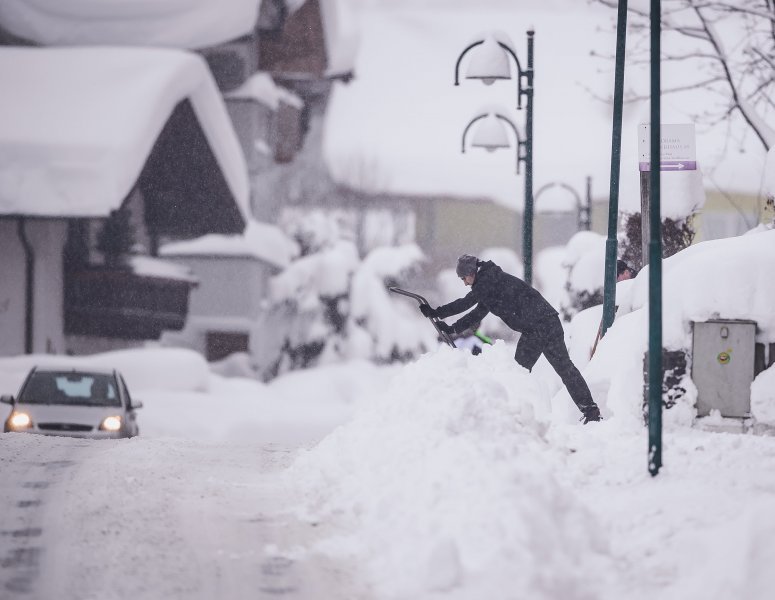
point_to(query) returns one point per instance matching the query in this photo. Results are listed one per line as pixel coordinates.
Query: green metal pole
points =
(655, 256)
(527, 226)
(609, 287)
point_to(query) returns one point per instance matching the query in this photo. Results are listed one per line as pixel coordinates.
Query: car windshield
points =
(84, 389)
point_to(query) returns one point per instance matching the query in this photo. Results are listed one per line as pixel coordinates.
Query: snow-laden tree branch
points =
(727, 46)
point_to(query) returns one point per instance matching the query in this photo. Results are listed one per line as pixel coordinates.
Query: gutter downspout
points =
(29, 260)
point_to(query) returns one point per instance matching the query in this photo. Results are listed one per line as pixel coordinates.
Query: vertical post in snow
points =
(609, 287)
(527, 233)
(655, 256)
(586, 221)
(645, 216)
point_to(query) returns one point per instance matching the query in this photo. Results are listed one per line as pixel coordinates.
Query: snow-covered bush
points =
(330, 305)
(585, 261)
(381, 326)
(681, 196)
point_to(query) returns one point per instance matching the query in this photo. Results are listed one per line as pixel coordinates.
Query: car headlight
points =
(20, 420)
(111, 424)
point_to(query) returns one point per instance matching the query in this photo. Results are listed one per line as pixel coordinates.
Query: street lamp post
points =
(490, 64)
(583, 208)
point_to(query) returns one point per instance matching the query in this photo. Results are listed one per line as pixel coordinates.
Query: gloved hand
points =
(444, 328)
(427, 311)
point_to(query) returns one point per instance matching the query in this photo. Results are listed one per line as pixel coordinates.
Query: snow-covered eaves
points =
(262, 88)
(341, 27)
(259, 240)
(149, 266)
(77, 126)
(167, 23)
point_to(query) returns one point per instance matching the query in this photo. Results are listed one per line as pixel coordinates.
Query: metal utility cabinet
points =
(723, 366)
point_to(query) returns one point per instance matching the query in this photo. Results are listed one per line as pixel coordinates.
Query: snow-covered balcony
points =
(136, 303)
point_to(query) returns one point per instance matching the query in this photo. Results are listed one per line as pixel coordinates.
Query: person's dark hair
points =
(621, 267)
(466, 265)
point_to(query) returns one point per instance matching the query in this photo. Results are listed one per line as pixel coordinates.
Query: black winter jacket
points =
(519, 305)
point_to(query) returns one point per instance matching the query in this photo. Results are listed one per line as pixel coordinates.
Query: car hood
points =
(58, 413)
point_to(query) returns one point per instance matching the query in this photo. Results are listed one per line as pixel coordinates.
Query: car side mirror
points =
(7, 399)
(137, 404)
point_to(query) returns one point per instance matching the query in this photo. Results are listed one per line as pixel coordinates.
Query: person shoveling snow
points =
(523, 309)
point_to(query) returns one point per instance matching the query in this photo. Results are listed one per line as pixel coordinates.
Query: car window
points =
(125, 389)
(83, 389)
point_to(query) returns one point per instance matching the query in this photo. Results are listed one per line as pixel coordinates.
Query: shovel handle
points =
(435, 320)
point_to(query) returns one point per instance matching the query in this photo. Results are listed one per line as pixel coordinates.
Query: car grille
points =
(64, 427)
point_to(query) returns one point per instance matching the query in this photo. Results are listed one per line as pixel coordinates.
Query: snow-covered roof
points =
(262, 88)
(260, 240)
(77, 125)
(170, 23)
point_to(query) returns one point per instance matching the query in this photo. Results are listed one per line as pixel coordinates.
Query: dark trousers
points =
(548, 338)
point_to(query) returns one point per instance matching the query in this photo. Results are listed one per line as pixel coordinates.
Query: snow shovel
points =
(435, 320)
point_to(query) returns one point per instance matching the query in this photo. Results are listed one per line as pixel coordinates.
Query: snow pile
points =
(763, 396)
(260, 240)
(446, 486)
(682, 194)
(729, 278)
(176, 23)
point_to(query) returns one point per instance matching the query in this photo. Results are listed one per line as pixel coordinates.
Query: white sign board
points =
(677, 147)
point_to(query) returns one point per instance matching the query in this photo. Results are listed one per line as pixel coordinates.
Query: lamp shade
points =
(489, 62)
(491, 134)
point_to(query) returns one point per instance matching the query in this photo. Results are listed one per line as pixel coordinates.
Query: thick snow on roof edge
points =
(260, 240)
(77, 125)
(167, 23)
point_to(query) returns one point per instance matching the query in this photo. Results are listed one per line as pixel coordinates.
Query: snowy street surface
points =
(151, 519)
(442, 478)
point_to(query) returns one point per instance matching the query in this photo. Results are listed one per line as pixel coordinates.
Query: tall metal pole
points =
(609, 286)
(655, 256)
(527, 226)
(587, 225)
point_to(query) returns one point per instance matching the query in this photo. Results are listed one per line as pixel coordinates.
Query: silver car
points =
(75, 403)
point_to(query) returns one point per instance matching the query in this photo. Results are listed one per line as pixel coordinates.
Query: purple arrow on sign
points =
(671, 165)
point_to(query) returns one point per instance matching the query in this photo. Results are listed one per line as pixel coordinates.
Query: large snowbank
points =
(259, 240)
(446, 484)
(173, 23)
(77, 125)
(729, 278)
